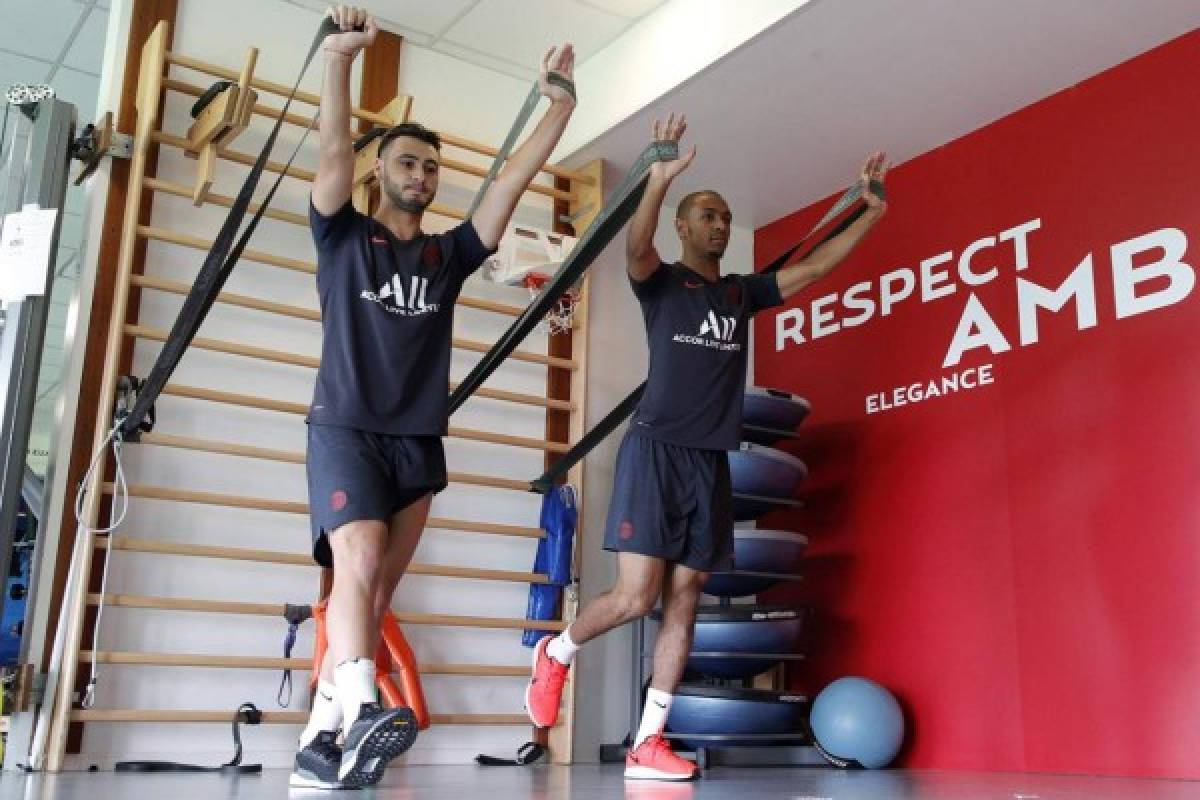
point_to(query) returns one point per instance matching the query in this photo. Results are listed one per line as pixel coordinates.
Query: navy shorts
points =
(357, 475)
(671, 502)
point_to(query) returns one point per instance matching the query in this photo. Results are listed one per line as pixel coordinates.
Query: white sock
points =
(654, 715)
(326, 714)
(562, 649)
(355, 681)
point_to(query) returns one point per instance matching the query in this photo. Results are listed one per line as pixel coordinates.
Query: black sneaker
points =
(317, 763)
(375, 738)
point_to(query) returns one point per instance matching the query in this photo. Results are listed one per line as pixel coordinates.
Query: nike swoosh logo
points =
(378, 240)
(690, 285)
(660, 705)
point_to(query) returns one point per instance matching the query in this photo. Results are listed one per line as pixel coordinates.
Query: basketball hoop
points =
(561, 315)
(524, 249)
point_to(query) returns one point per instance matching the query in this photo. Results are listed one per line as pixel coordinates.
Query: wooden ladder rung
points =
(238, 157)
(276, 610)
(296, 559)
(312, 315)
(150, 282)
(267, 662)
(313, 99)
(283, 406)
(295, 457)
(293, 507)
(312, 362)
(268, 717)
(198, 243)
(191, 89)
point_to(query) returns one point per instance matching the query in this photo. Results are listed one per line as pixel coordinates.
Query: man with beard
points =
(387, 293)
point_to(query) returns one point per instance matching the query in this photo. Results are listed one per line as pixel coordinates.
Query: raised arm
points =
(335, 168)
(496, 208)
(641, 257)
(820, 262)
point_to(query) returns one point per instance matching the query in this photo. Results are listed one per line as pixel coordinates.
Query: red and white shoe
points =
(543, 695)
(654, 760)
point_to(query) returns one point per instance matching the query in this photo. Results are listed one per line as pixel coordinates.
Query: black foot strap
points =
(528, 753)
(247, 713)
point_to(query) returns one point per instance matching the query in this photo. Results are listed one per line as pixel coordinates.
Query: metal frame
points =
(47, 163)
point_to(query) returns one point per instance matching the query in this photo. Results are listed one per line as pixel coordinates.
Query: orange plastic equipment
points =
(394, 657)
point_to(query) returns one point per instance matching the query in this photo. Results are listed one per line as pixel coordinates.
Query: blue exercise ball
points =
(857, 722)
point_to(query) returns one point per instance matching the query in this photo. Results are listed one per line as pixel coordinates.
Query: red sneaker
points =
(543, 695)
(654, 760)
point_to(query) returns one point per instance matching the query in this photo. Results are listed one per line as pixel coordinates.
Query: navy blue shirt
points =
(697, 334)
(387, 318)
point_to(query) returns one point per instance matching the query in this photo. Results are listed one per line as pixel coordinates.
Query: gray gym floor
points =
(605, 782)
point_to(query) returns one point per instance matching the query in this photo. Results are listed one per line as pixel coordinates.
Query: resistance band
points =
(531, 101)
(604, 227)
(219, 262)
(625, 408)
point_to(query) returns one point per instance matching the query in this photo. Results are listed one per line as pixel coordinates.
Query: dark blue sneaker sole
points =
(302, 779)
(390, 735)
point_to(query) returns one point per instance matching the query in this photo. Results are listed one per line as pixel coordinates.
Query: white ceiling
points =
(52, 41)
(787, 118)
(509, 36)
(59, 43)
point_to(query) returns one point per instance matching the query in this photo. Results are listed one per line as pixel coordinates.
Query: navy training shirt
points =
(387, 319)
(696, 331)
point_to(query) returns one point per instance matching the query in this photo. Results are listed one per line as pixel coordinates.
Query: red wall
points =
(1020, 562)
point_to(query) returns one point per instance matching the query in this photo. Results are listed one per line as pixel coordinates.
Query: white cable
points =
(37, 752)
(120, 493)
(120, 507)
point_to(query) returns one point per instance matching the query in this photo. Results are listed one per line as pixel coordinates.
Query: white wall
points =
(669, 46)
(484, 107)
